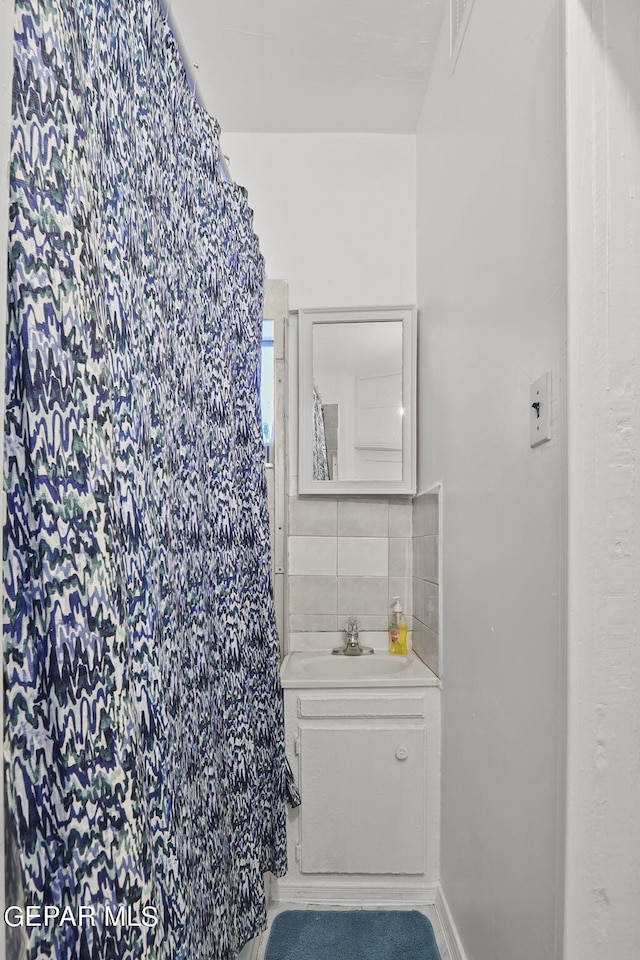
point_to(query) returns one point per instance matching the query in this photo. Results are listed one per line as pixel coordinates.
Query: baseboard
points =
(251, 949)
(255, 946)
(352, 893)
(449, 931)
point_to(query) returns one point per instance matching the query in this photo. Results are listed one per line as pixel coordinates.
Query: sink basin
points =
(313, 668)
(378, 665)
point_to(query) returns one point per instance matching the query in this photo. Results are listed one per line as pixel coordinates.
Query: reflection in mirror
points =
(357, 400)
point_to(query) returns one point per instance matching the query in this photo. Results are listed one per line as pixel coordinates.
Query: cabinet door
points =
(363, 798)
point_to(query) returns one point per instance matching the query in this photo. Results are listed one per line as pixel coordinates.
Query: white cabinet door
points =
(363, 798)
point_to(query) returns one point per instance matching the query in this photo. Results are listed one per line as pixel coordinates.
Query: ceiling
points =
(310, 66)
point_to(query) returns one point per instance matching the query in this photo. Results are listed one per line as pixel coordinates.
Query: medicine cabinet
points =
(356, 411)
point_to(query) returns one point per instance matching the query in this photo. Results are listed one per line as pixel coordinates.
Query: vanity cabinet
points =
(364, 786)
(367, 763)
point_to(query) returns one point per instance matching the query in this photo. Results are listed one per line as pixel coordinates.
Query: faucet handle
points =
(352, 625)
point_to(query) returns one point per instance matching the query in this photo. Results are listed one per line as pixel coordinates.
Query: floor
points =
(428, 911)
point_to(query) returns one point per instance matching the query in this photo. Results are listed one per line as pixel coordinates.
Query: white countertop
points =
(319, 668)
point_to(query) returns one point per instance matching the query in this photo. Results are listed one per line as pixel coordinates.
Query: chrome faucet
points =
(352, 646)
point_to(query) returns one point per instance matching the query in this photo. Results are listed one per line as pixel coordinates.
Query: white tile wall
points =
(313, 595)
(322, 640)
(361, 596)
(363, 518)
(403, 588)
(363, 557)
(368, 622)
(425, 558)
(313, 555)
(425, 515)
(313, 622)
(347, 557)
(401, 519)
(311, 517)
(425, 585)
(426, 597)
(400, 557)
(426, 643)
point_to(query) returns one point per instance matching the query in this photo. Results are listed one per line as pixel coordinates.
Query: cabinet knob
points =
(402, 753)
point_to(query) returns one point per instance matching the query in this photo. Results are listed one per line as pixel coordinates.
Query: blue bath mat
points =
(351, 935)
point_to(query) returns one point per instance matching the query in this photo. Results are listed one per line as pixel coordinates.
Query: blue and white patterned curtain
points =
(320, 462)
(143, 738)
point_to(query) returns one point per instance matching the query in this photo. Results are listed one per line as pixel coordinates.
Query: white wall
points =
(491, 270)
(603, 788)
(335, 213)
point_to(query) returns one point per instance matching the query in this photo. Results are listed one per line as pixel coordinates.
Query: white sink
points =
(313, 668)
(372, 665)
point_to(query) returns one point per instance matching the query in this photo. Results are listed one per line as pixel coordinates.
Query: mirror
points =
(357, 400)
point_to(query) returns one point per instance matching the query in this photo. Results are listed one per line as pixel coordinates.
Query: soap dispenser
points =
(398, 630)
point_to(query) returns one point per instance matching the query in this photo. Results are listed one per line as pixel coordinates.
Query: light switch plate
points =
(540, 410)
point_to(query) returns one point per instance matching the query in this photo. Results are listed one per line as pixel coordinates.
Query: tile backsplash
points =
(426, 580)
(350, 557)
(347, 558)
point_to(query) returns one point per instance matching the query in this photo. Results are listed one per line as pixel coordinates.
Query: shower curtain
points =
(320, 462)
(144, 751)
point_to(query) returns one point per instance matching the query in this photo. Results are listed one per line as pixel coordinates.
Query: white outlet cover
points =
(540, 410)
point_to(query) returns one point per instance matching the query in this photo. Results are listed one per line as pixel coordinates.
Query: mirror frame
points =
(328, 488)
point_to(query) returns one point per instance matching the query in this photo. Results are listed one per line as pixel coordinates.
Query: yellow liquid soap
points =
(398, 640)
(398, 631)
